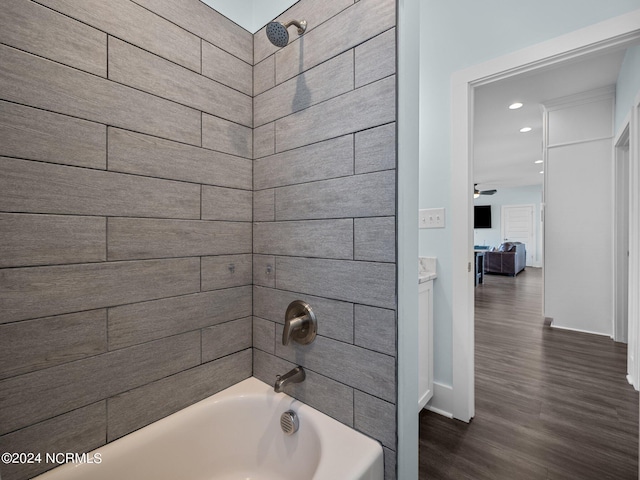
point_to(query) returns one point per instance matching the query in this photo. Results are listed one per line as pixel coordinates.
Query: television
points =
(482, 216)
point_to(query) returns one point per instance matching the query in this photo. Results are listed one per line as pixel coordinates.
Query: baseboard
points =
(560, 327)
(442, 400)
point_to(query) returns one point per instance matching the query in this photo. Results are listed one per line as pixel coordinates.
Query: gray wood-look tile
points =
(27, 186)
(375, 329)
(36, 29)
(264, 207)
(36, 396)
(36, 344)
(335, 319)
(363, 108)
(40, 135)
(376, 58)
(359, 282)
(155, 157)
(319, 161)
(389, 464)
(144, 405)
(310, 238)
(353, 26)
(226, 338)
(142, 322)
(204, 21)
(375, 239)
(315, 12)
(264, 140)
(50, 239)
(264, 335)
(322, 393)
(137, 68)
(42, 83)
(225, 271)
(227, 204)
(375, 418)
(264, 270)
(225, 136)
(137, 238)
(81, 430)
(376, 149)
(42, 291)
(226, 69)
(369, 371)
(132, 23)
(264, 75)
(369, 195)
(327, 80)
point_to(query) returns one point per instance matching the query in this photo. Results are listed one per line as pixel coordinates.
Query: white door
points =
(517, 226)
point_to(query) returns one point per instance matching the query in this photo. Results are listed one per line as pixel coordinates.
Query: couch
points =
(508, 259)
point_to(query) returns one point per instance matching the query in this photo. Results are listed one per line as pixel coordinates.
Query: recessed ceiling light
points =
(538, 161)
(541, 171)
(515, 106)
(525, 129)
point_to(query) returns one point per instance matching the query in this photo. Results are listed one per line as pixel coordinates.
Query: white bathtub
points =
(235, 434)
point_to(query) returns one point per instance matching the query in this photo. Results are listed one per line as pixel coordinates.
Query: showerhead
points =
(279, 35)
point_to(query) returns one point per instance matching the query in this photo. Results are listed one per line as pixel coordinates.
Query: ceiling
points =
(252, 15)
(504, 157)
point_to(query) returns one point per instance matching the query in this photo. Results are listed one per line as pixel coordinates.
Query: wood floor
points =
(550, 404)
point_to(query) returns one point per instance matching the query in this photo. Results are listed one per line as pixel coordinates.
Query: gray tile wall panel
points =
(323, 393)
(36, 344)
(359, 282)
(264, 140)
(376, 149)
(40, 135)
(310, 238)
(199, 18)
(264, 75)
(360, 22)
(36, 29)
(131, 152)
(36, 396)
(50, 239)
(389, 463)
(81, 430)
(141, 406)
(142, 70)
(225, 136)
(375, 417)
(42, 291)
(264, 208)
(375, 239)
(264, 335)
(319, 161)
(137, 238)
(376, 58)
(335, 319)
(315, 12)
(360, 368)
(368, 195)
(134, 24)
(363, 108)
(264, 270)
(42, 83)
(142, 322)
(320, 83)
(226, 271)
(227, 338)
(227, 204)
(375, 329)
(226, 69)
(27, 186)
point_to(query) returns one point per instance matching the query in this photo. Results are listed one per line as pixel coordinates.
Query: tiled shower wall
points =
(125, 224)
(324, 181)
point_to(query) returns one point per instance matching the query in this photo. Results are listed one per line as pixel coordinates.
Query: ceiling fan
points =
(477, 193)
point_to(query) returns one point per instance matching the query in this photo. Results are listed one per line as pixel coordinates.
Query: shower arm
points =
(302, 25)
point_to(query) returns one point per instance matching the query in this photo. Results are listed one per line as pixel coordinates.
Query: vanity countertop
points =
(426, 269)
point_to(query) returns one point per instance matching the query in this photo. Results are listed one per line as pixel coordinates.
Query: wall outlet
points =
(431, 218)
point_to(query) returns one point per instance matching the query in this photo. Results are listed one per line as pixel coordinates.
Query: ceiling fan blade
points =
(488, 192)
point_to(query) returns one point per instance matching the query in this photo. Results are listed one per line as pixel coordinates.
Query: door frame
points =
(622, 203)
(617, 32)
(534, 243)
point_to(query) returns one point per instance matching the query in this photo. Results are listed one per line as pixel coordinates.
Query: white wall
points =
(628, 85)
(528, 195)
(578, 266)
(456, 35)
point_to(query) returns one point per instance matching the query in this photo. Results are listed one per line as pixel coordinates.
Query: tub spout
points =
(296, 375)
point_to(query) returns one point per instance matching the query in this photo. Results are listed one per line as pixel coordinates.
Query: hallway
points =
(550, 404)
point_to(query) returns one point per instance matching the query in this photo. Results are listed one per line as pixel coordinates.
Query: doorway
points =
(517, 225)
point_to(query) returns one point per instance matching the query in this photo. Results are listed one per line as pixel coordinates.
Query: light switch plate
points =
(431, 218)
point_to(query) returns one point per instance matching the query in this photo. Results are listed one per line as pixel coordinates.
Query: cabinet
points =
(425, 343)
